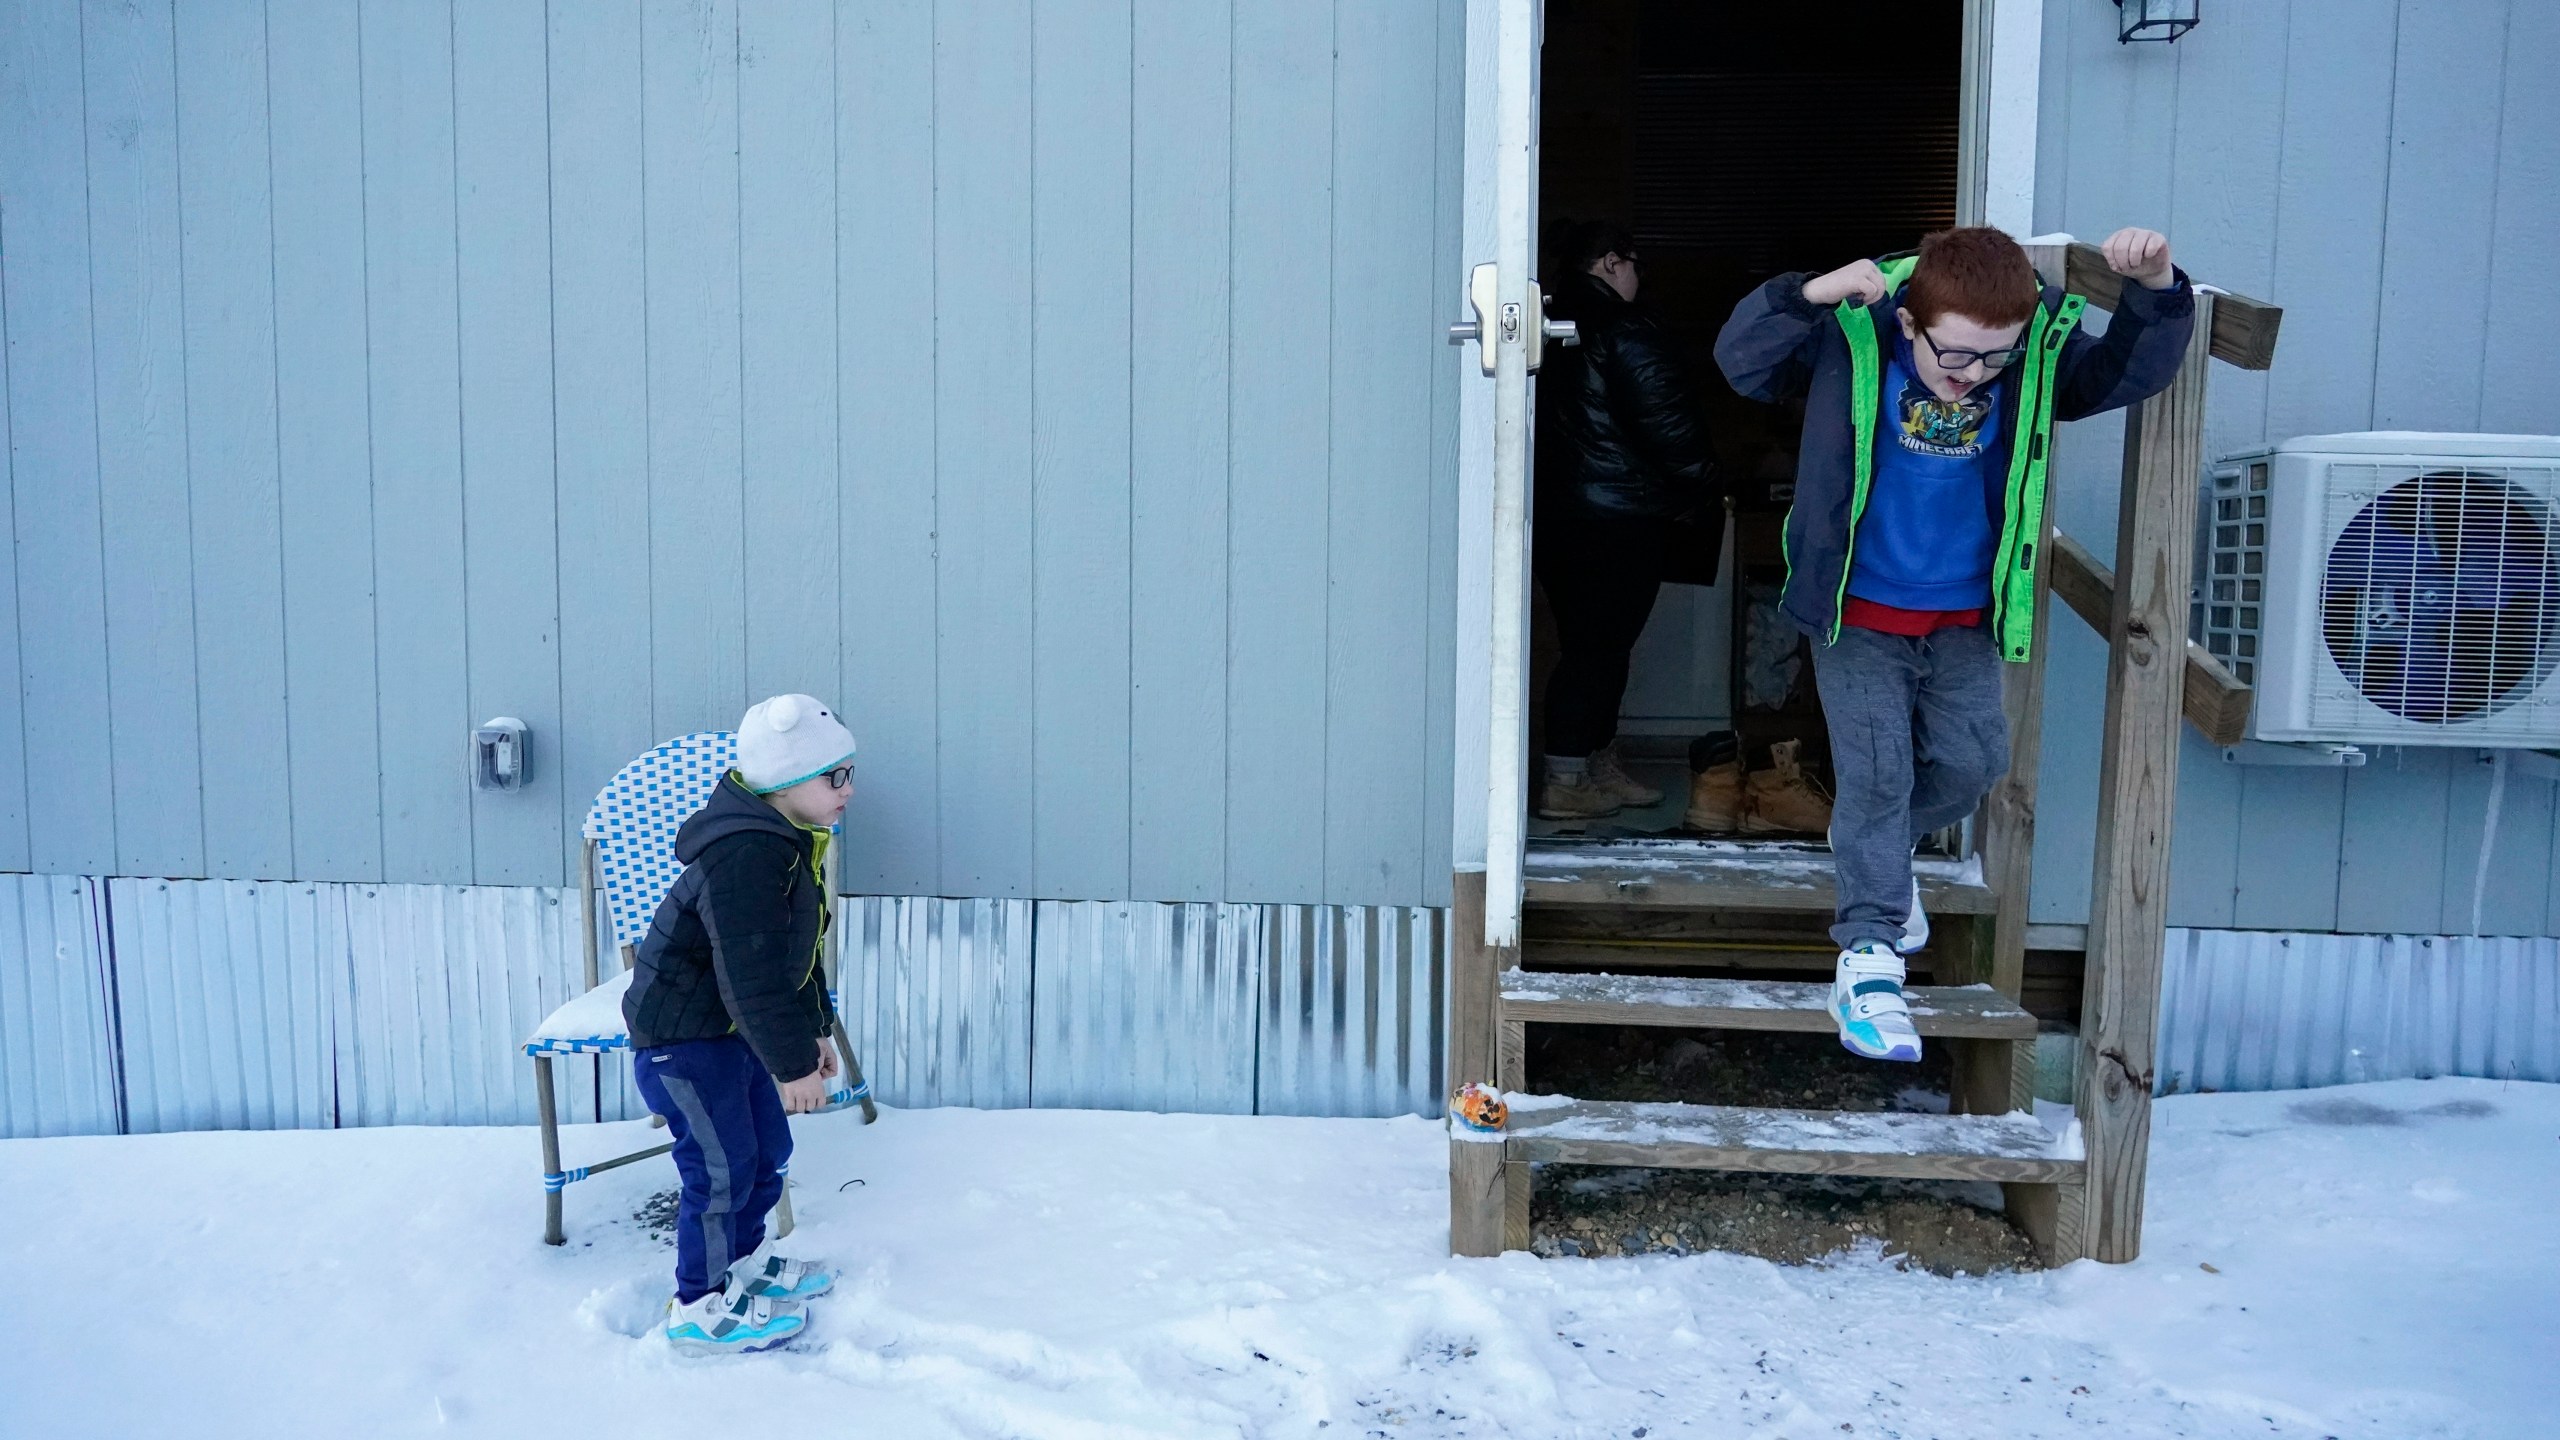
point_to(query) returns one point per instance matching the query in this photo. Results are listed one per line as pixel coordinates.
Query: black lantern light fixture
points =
(2155, 19)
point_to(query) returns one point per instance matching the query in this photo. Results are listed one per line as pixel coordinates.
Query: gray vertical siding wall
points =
(1058, 385)
(2389, 172)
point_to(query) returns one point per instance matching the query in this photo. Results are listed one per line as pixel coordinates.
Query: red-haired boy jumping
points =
(1931, 384)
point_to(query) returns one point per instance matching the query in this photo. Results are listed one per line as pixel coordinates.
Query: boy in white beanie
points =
(730, 1021)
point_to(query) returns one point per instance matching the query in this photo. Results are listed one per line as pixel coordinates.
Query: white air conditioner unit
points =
(2391, 588)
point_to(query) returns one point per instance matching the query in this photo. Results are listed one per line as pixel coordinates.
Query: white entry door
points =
(1501, 286)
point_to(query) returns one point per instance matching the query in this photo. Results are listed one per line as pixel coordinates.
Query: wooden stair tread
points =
(1975, 1012)
(1636, 954)
(2014, 1147)
(1706, 874)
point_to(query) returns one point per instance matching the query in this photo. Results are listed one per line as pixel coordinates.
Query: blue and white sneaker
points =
(1866, 1000)
(729, 1321)
(766, 1274)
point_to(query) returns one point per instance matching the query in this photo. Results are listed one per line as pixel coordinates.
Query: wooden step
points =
(1778, 928)
(1723, 875)
(2014, 1148)
(1662, 954)
(1971, 1012)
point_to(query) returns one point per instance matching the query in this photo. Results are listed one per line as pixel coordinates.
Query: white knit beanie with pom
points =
(788, 739)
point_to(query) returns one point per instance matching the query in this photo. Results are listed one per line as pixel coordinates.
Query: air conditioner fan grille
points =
(2440, 598)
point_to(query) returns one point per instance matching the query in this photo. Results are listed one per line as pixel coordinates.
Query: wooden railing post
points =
(2137, 797)
(2007, 823)
(1477, 1190)
(1472, 985)
(1999, 1075)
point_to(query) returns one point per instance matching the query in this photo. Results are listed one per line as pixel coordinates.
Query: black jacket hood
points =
(733, 809)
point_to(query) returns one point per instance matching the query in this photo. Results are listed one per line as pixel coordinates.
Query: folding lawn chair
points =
(630, 856)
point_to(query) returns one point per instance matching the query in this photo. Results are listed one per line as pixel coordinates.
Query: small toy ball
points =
(1479, 1107)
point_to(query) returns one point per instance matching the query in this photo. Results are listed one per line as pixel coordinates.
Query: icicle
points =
(2488, 835)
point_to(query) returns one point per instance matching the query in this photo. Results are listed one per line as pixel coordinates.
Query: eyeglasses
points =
(840, 777)
(1987, 359)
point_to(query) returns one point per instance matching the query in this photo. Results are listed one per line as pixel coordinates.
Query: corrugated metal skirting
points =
(446, 981)
(1238, 1009)
(2259, 1010)
(57, 1012)
(1146, 1006)
(234, 1004)
(259, 1005)
(1354, 1005)
(227, 991)
(937, 996)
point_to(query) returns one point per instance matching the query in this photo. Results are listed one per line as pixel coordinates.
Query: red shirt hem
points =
(1893, 620)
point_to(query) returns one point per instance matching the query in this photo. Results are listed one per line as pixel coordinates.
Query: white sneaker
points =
(773, 1277)
(1867, 1003)
(728, 1321)
(1915, 926)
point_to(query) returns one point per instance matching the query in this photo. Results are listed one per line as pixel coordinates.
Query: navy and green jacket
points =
(734, 948)
(1779, 346)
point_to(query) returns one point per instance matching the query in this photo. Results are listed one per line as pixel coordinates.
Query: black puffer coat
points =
(1620, 435)
(734, 946)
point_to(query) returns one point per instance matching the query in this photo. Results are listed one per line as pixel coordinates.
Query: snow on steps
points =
(1973, 1012)
(2015, 1147)
(1713, 875)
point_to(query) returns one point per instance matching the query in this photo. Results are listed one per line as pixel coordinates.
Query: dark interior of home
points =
(1737, 142)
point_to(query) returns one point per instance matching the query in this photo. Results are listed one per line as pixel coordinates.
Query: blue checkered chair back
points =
(635, 818)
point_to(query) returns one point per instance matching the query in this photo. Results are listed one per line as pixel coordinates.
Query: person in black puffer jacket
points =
(730, 1019)
(1622, 455)
(733, 949)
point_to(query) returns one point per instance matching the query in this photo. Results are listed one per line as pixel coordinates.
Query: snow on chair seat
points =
(589, 1025)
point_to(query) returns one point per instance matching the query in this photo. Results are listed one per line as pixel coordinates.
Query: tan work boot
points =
(1604, 771)
(1783, 800)
(1715, 799)
(1575, 799)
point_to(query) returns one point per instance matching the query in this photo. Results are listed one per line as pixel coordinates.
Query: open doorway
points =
(1732, 143)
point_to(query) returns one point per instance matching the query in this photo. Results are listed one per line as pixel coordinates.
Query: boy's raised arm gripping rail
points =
(2243, 334)
(2244, 330)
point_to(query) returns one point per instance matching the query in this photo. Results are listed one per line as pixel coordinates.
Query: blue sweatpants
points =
(732, 1141)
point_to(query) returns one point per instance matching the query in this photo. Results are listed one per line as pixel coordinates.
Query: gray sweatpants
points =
(1917, 739)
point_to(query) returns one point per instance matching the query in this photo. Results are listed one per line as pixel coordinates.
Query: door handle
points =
(1483, 288)
(1513, 321)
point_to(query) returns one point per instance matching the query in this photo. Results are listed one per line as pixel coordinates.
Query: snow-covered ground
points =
(2375, 1261)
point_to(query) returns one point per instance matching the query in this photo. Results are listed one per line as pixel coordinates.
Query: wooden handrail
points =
(2214, 700)
(2244, 330)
